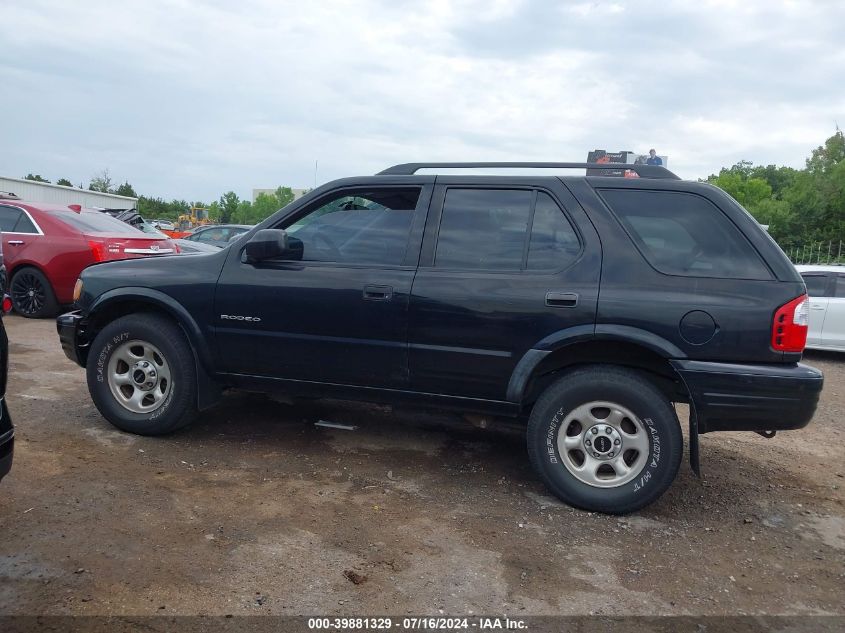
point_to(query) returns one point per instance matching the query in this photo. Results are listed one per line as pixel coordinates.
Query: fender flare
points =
(578, 334)
(208, 391)
(604, 332)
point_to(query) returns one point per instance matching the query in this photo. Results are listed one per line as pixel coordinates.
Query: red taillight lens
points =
(98, 250)
(789, 329)
(7, 305)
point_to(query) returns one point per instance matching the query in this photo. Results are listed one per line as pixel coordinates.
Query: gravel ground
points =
(253, 510)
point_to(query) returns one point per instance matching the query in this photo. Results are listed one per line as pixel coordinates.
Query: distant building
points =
(34, 191)
(297, 193)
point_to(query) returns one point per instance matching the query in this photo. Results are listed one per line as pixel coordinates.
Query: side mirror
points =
(272, 244)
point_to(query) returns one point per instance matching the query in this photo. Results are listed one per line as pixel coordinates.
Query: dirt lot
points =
(254, 510)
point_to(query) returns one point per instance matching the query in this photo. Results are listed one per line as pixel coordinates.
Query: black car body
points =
(7, 430)
(485, 293)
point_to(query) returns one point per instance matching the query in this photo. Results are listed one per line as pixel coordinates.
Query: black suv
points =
(7, 430)
(585, 306)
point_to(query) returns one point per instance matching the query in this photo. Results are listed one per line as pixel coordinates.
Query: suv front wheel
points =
(141, 375)
(605, 439)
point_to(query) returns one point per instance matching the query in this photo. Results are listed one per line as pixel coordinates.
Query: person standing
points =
(653, 158)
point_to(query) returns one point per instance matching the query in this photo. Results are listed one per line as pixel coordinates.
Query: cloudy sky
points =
(191, 98)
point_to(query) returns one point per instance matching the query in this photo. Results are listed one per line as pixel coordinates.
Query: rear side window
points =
(504, 229)
(684, 234)
(554, 242)
(95, 222)
(483, 229)
(9, 218)
(816, 285)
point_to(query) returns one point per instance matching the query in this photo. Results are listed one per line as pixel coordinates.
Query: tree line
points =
(800, 206)
(230, 208)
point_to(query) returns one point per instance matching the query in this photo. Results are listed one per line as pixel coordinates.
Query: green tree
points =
(126, 190)
(229, 202)
(36, 178)
(101, 182)
(64, 182)
(827, 156)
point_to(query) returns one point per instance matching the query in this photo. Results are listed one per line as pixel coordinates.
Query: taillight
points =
(98, 250)
(789, 328)
(7, 304)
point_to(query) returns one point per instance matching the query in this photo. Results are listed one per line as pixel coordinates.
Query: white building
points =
(33, 191)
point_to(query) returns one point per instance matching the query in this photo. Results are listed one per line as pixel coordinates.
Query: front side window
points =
(684, 234)
(357, 227)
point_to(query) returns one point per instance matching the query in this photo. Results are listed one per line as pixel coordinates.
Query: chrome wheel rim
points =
(139, 376)
(28, 293)
(603, 444)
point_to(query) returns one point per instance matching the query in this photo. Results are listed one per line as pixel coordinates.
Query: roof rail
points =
(644, 171)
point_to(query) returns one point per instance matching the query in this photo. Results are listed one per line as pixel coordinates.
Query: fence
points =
(829, 252)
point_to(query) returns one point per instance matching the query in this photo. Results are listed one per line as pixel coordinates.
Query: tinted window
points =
(9, 218)
(816, 285)
(361, 227)
(839, 286)
(483, 229)
(554, 243)
(95, 222)
(25, 225)
(684, 234)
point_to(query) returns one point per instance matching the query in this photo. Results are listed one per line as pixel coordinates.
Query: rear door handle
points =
(378, 293)
(561, 299)
(16, 242)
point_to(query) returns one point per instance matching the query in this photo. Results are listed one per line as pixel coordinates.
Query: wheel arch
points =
(120, 302)
(607, 344)
(621, 346)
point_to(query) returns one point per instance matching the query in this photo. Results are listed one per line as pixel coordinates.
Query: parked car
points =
(584, 306)
(7, 429)
(163, 225)
(826, 288)
(194, 248)
(217, 235)
(47, 246)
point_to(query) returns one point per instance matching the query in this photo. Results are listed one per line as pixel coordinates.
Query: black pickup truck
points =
(584, 306)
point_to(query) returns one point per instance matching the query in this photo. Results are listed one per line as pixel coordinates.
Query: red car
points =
(46, 246)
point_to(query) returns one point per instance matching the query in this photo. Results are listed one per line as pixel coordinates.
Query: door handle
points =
(561, 299)
(378, 293)
(16, 242)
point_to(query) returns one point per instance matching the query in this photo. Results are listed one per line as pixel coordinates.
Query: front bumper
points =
(736, 397)
(7, 440)
(71, 329)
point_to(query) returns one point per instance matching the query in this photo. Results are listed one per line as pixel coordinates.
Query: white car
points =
(826, 288)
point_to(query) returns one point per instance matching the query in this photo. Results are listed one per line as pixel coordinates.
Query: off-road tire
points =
(562, 401)
(178, 405)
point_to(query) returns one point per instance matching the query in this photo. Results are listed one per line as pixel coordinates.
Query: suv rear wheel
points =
(605, 439)
(141, 375)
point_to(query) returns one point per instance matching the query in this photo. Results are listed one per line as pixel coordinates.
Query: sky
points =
(188, 99)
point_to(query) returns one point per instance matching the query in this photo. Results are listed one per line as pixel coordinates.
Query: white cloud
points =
(189, 99)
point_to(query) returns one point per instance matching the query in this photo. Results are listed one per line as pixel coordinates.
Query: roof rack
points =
(643, 171)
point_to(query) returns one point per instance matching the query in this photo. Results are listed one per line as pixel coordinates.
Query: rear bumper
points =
(7, 440)
(734, 397)
(71, 331)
